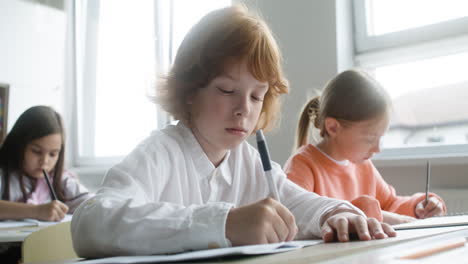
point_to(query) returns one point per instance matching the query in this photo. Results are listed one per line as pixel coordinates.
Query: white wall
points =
(32, 49)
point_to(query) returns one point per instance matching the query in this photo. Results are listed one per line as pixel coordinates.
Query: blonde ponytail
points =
(309, 114)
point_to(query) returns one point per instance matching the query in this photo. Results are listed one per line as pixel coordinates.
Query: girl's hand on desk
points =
(341, 225)
(433, 208)
(266, 221)
(53, 211)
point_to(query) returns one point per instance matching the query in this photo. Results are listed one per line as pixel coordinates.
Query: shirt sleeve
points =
(392, 202)
(307, 207)
(74, 191)
(124, 218)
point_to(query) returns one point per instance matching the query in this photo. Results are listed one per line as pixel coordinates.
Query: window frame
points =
(84, 161)
(365, 42)
(444, 38)
(164, 54)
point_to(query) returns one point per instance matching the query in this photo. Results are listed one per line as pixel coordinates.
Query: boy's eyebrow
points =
(227, 76)
(232, 78)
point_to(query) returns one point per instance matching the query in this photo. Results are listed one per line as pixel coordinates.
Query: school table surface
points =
(374, 251)
(17, 234)
(17, 231)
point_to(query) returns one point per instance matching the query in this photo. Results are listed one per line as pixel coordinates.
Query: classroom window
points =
(115, 73)
(386, 16)
(121, 48)
(426, 98)
(420, 58)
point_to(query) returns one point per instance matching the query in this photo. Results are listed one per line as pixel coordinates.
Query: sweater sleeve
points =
(369, 205)
(392, 202)
(307, 207)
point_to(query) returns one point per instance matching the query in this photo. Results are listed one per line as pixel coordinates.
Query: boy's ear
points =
(332, 126)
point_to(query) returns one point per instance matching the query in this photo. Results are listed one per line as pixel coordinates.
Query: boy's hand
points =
(266, 221)
(395, 219)
(340, 225)
(434, 207)
(53, 211)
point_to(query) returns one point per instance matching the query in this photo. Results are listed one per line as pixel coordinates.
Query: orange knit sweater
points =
(361, 184)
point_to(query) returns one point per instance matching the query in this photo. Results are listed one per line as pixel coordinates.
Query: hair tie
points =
(312, 112)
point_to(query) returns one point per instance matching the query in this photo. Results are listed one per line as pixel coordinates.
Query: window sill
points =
(437, 155)
(88, 170)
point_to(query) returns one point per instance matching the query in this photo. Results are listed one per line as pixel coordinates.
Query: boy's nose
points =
(242, 107)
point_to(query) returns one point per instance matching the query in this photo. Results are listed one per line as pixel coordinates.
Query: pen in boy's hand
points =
(265, 156)
(51, 189)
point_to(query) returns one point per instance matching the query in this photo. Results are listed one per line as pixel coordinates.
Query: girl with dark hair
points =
(36, 143)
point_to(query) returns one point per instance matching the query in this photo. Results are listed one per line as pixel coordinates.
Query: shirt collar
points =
(225, 169)
(339, 162)
(201, 161)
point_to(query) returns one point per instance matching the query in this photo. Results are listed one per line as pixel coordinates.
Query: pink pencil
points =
(437, 248)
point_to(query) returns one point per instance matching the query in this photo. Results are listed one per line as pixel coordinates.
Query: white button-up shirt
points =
(166, 196)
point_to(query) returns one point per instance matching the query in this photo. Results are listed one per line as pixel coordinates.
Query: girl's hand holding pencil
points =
(53, 211)
(433, 207)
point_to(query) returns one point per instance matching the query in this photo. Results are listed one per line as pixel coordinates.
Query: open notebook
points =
(439, 221)
(209, 253)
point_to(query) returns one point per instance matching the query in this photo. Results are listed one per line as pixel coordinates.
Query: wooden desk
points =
(391, 254)
(352, 252)
(324, 253)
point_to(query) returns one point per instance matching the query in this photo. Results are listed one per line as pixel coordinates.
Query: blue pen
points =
(265, 156)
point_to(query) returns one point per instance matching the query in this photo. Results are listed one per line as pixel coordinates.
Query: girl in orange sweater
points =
(352, 115)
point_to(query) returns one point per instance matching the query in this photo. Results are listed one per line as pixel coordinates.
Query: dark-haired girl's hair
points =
(36, 122)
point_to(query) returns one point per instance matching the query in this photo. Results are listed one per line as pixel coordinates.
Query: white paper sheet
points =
(209, 253)
(438, 221)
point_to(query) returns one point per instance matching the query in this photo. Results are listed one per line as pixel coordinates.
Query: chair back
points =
(52, 243)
